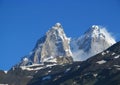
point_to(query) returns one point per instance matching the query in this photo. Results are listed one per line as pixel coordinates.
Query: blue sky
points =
(23, 22)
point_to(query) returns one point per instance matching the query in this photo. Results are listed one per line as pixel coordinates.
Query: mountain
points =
(55, 47)
(95, 40)
(101, 69)
(51, 48)
(51, 60)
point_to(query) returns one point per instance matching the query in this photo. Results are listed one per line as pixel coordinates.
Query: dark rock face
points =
(102, 69)
(16, 76)
(2, 76)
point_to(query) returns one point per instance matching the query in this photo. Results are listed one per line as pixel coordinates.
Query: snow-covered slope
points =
(53, 47)
(94, 41)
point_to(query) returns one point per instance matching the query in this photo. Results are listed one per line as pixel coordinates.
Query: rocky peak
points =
(95, 40)
(99, 32)
(53, 47)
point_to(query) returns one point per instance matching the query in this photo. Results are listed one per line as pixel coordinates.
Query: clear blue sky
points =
(23, 22)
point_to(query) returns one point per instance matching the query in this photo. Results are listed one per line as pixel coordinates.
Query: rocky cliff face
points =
(94, 41)
(53, 47)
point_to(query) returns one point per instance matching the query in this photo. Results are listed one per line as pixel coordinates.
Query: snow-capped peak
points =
(95, 40)
(99, 32)
(53, 47)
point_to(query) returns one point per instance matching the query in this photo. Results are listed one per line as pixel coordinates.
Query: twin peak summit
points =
(55, 47)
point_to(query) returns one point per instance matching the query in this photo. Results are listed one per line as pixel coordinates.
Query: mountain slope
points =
(94, 41)
(101, 69)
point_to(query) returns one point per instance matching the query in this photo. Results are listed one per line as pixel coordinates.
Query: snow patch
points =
(49, 71)
(50, 65)
(117, 56)
(68, 69)
(118, 66)
(26, 59)
(107, 51)
(5, 72)
(101, 62)
(113, 53)
(103, 53)
(95, 75)
(30, 69)
(36, 67)
(78, 66)
(50, 59)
